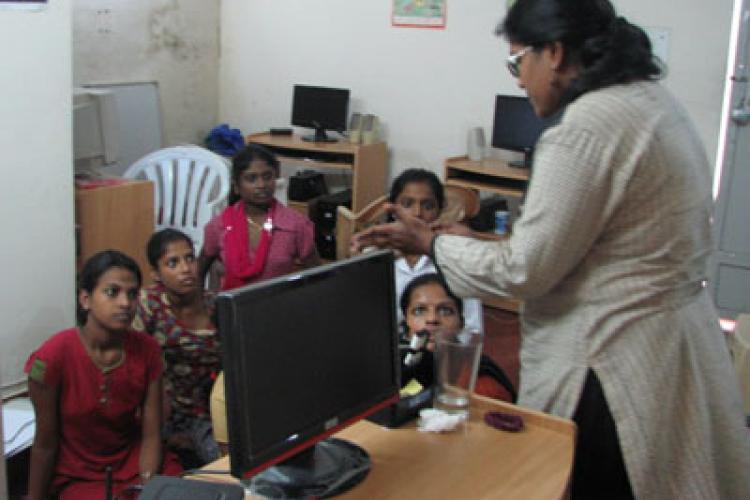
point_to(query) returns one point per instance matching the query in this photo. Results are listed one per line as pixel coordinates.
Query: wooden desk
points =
(490, 175)
(368, 162)
(478, 462)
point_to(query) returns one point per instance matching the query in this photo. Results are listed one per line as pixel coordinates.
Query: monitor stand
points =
(319, 136)
(329, 468)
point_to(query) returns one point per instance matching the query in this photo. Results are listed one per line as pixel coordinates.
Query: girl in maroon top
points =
(256, 236)
(96, 392)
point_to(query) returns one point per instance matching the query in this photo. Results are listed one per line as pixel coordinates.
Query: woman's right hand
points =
(407, 234)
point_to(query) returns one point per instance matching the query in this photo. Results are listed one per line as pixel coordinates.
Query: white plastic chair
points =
(190, 185)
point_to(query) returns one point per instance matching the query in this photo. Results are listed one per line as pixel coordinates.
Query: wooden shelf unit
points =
(368, 162)
(118, 217)
(494, 176)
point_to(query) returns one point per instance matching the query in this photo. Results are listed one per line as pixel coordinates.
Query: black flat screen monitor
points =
(516, 127)
(305, 355)
(321, 108)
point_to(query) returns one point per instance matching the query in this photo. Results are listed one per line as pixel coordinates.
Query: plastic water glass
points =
(456, 366)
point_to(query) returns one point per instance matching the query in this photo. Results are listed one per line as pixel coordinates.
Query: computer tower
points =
(324, 218)
(326, 207)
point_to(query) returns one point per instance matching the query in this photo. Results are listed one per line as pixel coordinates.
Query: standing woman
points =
(609, 256)
(96, 391)
(175, 311)
(256, 236)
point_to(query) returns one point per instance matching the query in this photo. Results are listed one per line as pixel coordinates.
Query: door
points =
(730, 266)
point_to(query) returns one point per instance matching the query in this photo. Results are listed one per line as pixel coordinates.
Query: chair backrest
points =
(190, 185)
(460, 204)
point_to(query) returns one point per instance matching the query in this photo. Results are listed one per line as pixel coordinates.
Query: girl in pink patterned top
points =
(256, 237)
(178, 315)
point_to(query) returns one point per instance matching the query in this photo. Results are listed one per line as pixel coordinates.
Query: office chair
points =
(190, 185)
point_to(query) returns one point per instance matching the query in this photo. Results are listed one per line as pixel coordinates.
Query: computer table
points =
(478, 462)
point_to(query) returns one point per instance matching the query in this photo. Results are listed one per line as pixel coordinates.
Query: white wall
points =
(428, 86)
(172, 42)
(37, 295)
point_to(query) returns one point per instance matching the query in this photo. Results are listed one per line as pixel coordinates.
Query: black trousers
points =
(598, 468)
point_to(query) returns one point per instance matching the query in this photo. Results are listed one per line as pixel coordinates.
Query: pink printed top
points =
(292, 238)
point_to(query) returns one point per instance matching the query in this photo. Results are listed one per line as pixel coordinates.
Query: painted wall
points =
(38, 251)
(428, 86)
(173, 42)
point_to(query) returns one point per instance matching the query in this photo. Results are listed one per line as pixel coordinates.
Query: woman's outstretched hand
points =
(407, 234)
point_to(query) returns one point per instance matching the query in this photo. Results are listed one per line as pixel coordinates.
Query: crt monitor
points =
(305, 355)
(516, 127)
(320, 108)
(95, 128)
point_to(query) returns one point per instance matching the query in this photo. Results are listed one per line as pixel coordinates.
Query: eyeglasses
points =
(514, 61)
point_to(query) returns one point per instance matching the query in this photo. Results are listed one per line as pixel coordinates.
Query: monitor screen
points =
(305, 355)
(321, 108)
(516, 127)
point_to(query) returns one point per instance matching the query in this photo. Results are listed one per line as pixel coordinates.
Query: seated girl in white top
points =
(421, 192)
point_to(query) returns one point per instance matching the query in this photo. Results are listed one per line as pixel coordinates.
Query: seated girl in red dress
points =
(96, 392)
(176, 312)
(428, 305)
(256, 237)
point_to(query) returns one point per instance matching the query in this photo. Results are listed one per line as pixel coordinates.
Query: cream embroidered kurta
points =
(609, 257)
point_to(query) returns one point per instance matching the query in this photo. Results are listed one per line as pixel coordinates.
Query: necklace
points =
(267, 225)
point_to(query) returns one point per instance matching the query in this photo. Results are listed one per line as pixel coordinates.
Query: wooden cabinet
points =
(494, 176)
(367, 162)
(118, 216)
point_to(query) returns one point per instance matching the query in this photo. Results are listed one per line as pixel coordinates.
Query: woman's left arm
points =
(150, 460)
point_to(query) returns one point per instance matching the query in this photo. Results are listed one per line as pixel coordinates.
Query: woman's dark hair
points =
(418, 175)
(607, 48)
(427, 279)
(242, 160)
(93, 269)
(159, 241)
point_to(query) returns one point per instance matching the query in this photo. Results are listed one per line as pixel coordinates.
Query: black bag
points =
(306, 185)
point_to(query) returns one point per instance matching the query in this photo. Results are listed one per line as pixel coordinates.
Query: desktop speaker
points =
(355, 128)
(370, 129)
(475, 144)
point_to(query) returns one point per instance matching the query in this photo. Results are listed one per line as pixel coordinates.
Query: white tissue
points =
(432, 420)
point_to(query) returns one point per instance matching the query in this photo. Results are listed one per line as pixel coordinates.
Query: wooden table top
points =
(477, 461)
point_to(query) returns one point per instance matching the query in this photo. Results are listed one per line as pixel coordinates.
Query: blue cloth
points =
(224, 140)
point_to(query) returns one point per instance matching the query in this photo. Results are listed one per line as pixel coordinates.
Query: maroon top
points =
(99, 413)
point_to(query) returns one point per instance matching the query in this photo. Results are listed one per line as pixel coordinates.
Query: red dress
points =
(99, 413)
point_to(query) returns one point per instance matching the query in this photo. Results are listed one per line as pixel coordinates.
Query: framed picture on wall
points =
(23, 4)
(419, 13)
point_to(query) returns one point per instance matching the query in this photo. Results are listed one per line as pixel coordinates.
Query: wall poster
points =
(419, 13)
(23, 4)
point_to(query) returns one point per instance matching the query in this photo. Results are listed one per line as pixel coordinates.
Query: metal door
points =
(730, 267)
